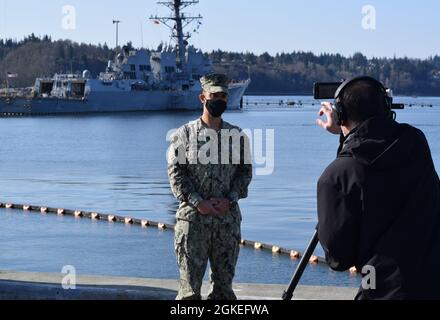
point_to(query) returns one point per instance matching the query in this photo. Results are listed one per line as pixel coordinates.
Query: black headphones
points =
(339, 109)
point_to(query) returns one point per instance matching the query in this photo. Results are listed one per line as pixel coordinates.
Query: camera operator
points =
(379, 201)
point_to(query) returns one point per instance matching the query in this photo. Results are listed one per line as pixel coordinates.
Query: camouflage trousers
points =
(195, 244)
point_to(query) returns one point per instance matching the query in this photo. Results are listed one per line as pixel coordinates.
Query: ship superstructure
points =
(137, 80)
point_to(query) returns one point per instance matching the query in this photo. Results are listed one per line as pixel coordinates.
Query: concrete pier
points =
(47, 286)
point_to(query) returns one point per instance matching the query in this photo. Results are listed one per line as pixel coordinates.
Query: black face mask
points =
(216, 107)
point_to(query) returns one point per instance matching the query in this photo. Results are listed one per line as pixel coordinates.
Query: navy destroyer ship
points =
(137, 80)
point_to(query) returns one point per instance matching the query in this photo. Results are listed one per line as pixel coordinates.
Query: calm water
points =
(117, 164)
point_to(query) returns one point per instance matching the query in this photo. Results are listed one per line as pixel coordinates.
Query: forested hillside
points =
(284, 73)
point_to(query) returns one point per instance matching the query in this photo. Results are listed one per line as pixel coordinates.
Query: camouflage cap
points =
(216, 82)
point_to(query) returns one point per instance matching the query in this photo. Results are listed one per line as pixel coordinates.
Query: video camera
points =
(327, 90)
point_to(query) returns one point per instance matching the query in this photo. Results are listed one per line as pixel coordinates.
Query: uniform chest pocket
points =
(231, 154)
(192, 154)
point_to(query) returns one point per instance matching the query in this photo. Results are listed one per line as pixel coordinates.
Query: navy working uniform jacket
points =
(379, 206)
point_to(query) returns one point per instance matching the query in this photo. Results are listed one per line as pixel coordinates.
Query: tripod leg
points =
(288, 294)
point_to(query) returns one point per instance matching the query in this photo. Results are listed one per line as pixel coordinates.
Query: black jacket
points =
(379, 205)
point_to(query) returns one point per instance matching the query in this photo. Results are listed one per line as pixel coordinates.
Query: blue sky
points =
(403, 28)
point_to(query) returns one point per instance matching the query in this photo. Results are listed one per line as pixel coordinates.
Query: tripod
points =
(288, 294)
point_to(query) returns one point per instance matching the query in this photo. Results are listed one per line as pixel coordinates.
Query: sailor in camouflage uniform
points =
(210, 169)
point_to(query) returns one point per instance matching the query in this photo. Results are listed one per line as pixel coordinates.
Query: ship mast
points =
(181, 20)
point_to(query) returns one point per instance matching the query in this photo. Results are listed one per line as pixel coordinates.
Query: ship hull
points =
(130, 101)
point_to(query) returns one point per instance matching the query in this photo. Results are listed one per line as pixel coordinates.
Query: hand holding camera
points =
(330, 124)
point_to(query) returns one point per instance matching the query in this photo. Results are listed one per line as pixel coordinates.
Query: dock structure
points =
(48, 286)
(275, 102)
(279, 102)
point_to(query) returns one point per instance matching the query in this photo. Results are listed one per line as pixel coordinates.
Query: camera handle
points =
(288, 294)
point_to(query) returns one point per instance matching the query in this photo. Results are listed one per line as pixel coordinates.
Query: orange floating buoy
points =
(258, 245)
(26, 208)
(353, 270)
(8, 205)
(111, 218)
(43, 210)
(60, 212)
(145, 223)
(162, 226)
(95, 216)
(294, 254)
(276, 249)
(128, 220)
(314, 259)
(78, 214)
